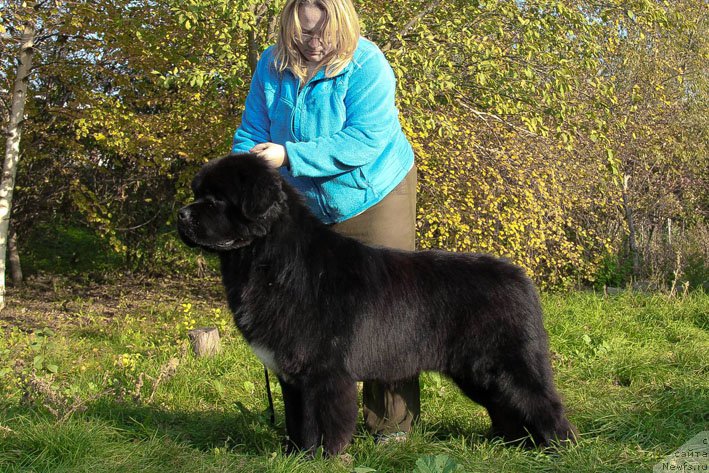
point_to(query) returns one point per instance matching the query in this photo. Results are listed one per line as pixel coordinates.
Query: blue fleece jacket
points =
(345, 146)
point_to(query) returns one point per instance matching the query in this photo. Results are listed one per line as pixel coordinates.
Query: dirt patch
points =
(52, 301)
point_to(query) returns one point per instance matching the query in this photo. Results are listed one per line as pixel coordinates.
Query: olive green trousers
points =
(389, 407)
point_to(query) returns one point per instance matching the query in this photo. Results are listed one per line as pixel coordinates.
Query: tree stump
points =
(204, 341)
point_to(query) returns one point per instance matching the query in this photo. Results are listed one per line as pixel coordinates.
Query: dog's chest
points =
(266, 356)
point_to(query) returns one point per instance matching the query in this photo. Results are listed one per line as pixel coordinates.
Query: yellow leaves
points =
(512, 201)
(81, 128)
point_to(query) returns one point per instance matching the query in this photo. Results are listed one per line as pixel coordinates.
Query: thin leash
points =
(270, 397)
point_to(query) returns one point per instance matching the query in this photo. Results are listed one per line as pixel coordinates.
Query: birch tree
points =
(12, 144)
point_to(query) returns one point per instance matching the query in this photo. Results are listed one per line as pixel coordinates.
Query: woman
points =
(321, 108)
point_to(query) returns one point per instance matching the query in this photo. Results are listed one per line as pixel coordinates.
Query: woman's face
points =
(312, 21)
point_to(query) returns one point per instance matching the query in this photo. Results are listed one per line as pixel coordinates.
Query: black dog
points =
(324, 311)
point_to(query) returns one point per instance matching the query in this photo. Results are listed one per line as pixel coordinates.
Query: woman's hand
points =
(274, 155)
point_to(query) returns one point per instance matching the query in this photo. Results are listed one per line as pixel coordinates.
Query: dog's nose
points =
(183, 214)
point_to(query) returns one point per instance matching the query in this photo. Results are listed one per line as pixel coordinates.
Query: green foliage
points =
(514, 109)
(526, 118)
(437, 464)
(613, 272)
(62, 248)
(490, 76)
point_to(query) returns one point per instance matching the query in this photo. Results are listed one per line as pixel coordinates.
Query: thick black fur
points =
(324, 311)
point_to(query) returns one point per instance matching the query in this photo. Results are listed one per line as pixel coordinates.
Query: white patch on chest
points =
(266, 356)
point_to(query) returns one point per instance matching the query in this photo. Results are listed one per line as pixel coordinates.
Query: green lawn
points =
(99, 378)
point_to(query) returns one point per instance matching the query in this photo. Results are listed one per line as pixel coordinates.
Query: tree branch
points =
(431, 6)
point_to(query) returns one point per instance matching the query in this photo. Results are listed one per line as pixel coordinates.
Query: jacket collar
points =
(320, 75)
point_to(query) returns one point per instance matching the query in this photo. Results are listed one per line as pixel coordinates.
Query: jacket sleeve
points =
(255, 124)
(371, 121)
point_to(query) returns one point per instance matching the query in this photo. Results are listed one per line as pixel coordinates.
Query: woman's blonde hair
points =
(340, 32)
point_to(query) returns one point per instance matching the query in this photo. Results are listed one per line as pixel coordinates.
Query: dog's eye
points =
(214, 201)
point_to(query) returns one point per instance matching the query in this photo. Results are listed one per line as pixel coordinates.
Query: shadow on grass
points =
(658, 420)
(113, 436)
(450, 429)
(238, 429)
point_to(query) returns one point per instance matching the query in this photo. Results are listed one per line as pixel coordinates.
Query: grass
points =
(99, 378)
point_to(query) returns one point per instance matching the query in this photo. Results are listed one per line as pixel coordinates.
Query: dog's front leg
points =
(336, 412)
(301, 426)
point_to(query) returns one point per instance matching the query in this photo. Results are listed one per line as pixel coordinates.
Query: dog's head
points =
(236, 200)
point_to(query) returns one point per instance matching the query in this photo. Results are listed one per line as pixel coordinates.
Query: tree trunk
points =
(252, 53)
(205, 341)
(13, 258)
(632, 242)
(12, 146)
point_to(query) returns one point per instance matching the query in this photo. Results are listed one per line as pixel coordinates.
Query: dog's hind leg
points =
(505, 422)
(526, 391)
(531, 411)
(520, 406)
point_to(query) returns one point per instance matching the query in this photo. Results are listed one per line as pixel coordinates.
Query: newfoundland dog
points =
(324, 311)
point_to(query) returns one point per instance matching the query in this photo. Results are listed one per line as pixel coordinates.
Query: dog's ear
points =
(265, 197)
